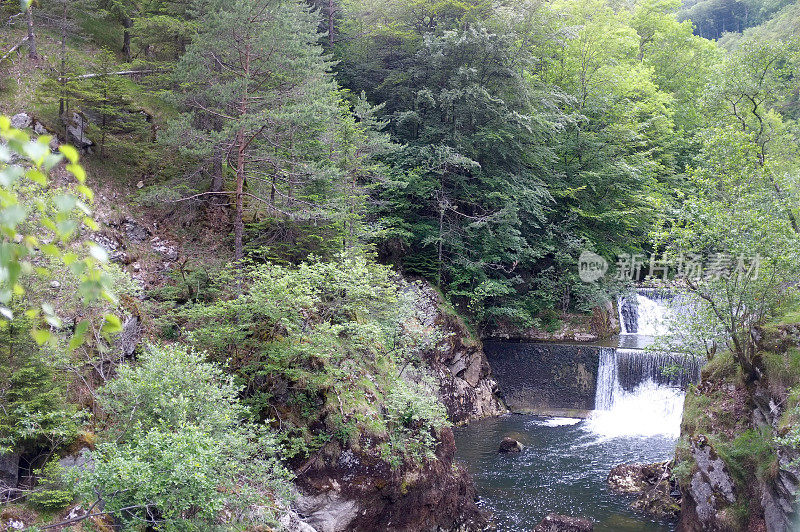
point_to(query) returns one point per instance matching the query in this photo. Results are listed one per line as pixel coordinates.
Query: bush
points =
(751, 453)
(329, 340)
(181, 447)
(52, 492)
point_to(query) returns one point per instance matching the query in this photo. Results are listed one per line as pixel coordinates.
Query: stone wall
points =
(545, 378)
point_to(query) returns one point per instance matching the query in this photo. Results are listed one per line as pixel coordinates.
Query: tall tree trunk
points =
(127, 24)
(238, 222)
(440, 254)
(62, 105)
(31, 36)
(331, 28)
(272, 192)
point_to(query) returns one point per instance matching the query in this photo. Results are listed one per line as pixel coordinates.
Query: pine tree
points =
(258, 95)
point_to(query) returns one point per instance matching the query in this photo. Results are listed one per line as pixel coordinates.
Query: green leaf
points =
(69, 152)
(86, 191)
(41, 336)
(51, 161)
(111, 324)
(36, 176)
(10, 174)
(77, 171)
(65, 202)
(98, 252)
(36, 151)
(51, 250)
(11, 216)
(75, 342)
(82, 327)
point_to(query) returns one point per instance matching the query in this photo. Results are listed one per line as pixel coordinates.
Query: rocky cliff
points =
(354, 491)
(455, 359)
(734, 473)
(351, 489)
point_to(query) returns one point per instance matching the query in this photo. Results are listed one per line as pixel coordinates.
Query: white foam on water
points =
(653, 317)
(556, 421)
(649, 410)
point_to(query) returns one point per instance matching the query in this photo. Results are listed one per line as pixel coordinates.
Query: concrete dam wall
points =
(545, 378)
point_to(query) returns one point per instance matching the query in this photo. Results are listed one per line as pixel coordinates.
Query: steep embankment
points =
(733, 470)
(350, 489)
(349, 484)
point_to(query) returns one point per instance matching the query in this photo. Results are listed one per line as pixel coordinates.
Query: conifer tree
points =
(256, 89)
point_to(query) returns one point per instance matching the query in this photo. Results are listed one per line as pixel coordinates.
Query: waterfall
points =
(640, 393)
(648, 312)
(633, 366)
(607, 378)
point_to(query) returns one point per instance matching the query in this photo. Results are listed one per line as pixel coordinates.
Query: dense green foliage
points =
(334, 341)
(322, 150)
(180, 446)
(714, 18)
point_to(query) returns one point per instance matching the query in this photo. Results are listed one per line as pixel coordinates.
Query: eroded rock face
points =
(779, 494)
(455, 359)
(359, 492)
(9, 473)
(329, 511)
(291, 522)
(710, 493)
(564, 523)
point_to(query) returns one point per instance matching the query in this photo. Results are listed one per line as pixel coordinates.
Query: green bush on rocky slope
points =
(324, 351)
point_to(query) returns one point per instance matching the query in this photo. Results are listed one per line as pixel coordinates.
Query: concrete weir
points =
(547, 379)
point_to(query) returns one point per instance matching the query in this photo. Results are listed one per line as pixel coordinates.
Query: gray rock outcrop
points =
(455, 358)
(564, 523)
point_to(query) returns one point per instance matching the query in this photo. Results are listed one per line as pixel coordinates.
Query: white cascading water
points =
(649, 409)
(634, 397)
(652, 316)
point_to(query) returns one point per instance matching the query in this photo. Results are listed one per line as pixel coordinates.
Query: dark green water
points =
(563, 469)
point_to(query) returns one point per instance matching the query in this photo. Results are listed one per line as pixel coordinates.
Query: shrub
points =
(53, 492)
(329, 340)
(181, 446)
(750, 453)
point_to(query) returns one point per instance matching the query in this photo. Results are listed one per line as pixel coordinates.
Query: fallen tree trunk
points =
(120, 73)
(14, 49)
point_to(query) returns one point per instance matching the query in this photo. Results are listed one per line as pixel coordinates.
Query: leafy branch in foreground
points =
(181, 448)
(37, 227)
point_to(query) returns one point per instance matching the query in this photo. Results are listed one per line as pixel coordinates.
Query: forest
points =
(247, 244)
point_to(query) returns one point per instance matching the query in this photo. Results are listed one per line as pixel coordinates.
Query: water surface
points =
(563, 469)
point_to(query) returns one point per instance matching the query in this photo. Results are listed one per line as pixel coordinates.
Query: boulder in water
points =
(564, 523)
(659, 495)
(634, 478)
(510, 445)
